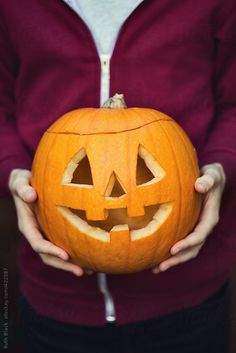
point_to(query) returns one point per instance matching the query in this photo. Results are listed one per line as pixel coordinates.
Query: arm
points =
(218, 158)
(221, 143)
(13, 154)
(15, 163)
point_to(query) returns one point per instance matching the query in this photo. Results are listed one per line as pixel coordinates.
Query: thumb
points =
(20, 186)
(26, 193)
(211, 177)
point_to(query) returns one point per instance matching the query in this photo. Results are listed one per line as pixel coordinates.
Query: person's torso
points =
(162, 59)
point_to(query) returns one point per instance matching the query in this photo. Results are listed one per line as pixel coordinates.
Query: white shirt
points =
(104, 19)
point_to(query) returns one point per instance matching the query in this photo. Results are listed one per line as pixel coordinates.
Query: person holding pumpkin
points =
(178, 58)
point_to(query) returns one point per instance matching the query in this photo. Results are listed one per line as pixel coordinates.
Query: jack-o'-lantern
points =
(116, 186)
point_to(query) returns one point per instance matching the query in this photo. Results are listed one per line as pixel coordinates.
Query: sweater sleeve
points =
(13, 154)
(221, 142)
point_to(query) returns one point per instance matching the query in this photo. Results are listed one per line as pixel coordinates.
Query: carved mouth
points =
(117, 219)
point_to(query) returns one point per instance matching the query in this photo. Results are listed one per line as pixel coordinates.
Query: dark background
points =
(8, 243)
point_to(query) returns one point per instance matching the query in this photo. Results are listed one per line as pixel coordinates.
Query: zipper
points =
(105, 77)
(105, 59)
(110, 314)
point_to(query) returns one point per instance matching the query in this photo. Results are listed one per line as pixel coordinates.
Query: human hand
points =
(24, 197)
(211, 184)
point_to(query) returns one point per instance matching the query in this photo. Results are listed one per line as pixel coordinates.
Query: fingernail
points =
(156, 271)
(28, 194)
(78, 272)
(175, 251)
(64, 256)
(164, 268)
(204, 186)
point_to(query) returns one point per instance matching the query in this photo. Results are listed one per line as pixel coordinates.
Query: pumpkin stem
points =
(117, 101)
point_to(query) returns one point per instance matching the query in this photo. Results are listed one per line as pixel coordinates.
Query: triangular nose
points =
(114, 187)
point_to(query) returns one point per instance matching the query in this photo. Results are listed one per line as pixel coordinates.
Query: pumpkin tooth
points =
(158, 219)
(120, 227)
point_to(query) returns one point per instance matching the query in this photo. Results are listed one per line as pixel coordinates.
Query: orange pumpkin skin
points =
(158, 212)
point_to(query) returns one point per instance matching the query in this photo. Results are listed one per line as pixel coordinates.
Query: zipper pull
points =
(109, 303)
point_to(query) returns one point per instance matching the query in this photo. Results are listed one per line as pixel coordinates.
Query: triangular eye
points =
(114, 187)
(143, 174)
(82, 173)
(148, 170)
(78, 170)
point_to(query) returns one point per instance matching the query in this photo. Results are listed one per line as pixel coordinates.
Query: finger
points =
(29, 228)
(26, 193)
(216, 166)
(208, 220)
(20, 186)
(183, 256)
(60, 264)
(204, 183)
(43, 246)
(196, 238)
(156, 270)
(212, 175)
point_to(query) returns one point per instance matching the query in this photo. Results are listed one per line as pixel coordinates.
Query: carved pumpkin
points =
(116, 187)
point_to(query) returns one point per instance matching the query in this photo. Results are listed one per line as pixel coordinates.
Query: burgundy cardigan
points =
(175, 56)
